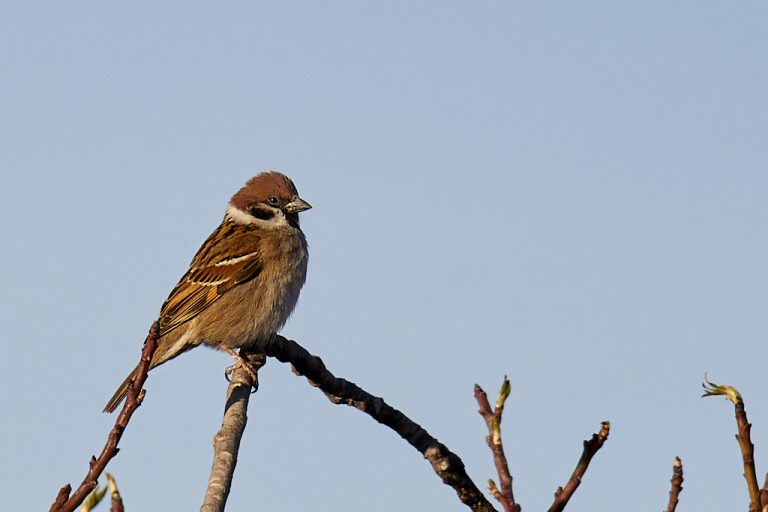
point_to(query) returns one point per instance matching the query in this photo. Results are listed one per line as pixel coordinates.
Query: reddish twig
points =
(61, 498)
(132, 402)
(493, 421)
(448, 466)
(677, 484)
(226, 443)
(743, 437)
(764, 495)
(591, 447)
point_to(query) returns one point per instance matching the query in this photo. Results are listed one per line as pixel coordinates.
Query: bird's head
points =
(269, 198)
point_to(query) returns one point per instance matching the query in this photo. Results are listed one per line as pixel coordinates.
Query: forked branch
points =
(493, 421)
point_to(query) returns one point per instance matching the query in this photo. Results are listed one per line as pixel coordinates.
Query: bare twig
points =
(114, 493)
(591, 447)
(677, 484)
(61, 498)
(764, 495)
(226, 442)
(493, 421)
(743, 437)
(132, 402)
(448, 466)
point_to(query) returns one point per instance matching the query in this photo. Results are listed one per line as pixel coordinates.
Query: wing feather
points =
(228, 257)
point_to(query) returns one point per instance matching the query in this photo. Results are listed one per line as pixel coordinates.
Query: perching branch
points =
(591, 447)
(448, 466)
(226, 442)
(493, 421)
(743, 437)
(66, 503)
(677, 484)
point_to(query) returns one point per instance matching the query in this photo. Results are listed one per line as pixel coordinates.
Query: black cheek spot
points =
(262, 213)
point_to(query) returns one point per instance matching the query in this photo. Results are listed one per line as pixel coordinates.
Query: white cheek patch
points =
(241, 217)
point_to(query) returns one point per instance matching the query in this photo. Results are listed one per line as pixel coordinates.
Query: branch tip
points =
(93, 499)
(743, 437)
(591, 447)
(97, 464)
(492, 418)
(729, 392)
(676, 483)
(503, 393)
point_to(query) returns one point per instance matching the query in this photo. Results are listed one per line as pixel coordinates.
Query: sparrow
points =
(243, 283)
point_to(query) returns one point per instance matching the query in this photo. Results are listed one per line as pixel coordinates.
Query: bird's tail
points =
(121, 392)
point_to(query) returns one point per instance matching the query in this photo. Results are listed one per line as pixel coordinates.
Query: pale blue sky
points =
(574, 194)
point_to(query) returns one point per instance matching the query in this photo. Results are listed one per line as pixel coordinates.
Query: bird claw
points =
(239, 361)
(228, 372)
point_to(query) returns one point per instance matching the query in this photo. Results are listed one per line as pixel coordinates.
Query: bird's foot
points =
(239, 361)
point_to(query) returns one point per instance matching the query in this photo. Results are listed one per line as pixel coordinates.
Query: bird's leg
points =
(242, 362)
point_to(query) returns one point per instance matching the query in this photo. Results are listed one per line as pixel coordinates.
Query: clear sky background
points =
(571, 193)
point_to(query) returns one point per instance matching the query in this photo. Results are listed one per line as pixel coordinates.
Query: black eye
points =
(273, 200)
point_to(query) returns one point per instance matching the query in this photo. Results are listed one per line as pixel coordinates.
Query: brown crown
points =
(262, 187)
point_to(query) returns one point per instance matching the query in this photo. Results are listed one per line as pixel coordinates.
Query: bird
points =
(244, 281)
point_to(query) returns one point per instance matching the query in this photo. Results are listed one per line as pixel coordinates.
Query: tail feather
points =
(121, 392)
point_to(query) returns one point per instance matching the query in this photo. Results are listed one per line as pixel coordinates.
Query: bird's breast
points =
(284, 274)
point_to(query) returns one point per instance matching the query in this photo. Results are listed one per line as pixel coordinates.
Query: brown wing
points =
(228, 257)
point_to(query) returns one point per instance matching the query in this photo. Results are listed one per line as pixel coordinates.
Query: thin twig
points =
(61, 498)
(132, 402)
(116, 500)
(743, 437)
(448, 466)
(493, 421)
(677, 484)
(226, 442)
(764, 495)
(591, 447)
